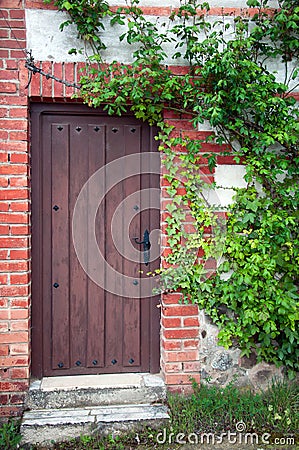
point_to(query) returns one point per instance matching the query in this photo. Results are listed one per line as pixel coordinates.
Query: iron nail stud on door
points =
(146, 246)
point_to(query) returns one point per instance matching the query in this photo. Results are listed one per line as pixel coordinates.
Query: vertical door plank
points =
(60, 246)
(131, 306)
(114, 303)
(96, 295)
(78, 297)
(44, 300)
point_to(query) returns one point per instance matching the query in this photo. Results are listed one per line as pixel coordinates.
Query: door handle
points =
(146, 246)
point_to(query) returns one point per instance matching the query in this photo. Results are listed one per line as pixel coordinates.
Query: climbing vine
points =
(246, 273)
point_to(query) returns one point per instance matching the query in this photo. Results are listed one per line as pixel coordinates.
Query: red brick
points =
(22, 230)
(19, 314)
(39, 4)
(172, 345)
(14, 291)
(192, 343)
(14, 169)
(192, 366)
(10, 411)
(19, 278)
(69, 72)
(180, 333)
(19, 254)
(4, 399)
(19, 325)
(173, 367)
(13, 242)
(172, 299)
(225, 160)
(13, 194)
(16, 14)
(20, 34)
(9, 338)
(11, 361)
(58, 87)
(3, 113)
(191, 355)
(13, 218)
(168, 114)
(35, 85)
(171, 322)
(10, 43)
(19, 181)
(4, 13)
(8, 266)
(7, 87)
(3, 157)
(11, 64)
(19, 158)
(19, 302)
(166, 252)
(3, 53)
(14, 146)
(8, 75)
(16, 386)
(4, 314)
(19, 372)
(3, 279)
(18, 136)
(13, 100)
(19, 349)
(47, 83)
(3, 327)
(191, 322)
(17, 53)
(180, 310)
(18, 112)
(20, 206)
(3, 303)
(4, 350)
(17, 399)
(4, 206)
(10, 4)
(3, 182)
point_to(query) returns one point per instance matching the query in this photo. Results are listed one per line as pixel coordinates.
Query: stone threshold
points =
(104, 381)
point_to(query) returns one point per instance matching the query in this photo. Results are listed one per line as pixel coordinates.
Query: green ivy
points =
(253, 294)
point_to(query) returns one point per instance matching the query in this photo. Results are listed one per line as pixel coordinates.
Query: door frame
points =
(36, 112)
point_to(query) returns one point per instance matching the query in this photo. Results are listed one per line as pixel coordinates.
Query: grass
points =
(209, 409)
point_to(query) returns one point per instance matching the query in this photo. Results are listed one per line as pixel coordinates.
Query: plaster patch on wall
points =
(227, 176)
(46, 40)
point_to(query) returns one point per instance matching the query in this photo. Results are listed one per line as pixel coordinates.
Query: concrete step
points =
(94, 390)
(45, 426)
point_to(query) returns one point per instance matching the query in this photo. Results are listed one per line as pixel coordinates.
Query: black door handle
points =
(146, 246)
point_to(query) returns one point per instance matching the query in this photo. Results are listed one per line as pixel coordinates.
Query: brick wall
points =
(14, 212)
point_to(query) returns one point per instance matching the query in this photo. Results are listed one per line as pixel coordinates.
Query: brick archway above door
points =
(79, 327)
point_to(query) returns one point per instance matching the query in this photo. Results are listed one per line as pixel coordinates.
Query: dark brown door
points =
(94, 195)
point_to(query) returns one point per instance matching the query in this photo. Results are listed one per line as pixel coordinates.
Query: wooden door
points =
(81, 325)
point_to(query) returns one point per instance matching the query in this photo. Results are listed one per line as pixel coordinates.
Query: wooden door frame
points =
(37, 345)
